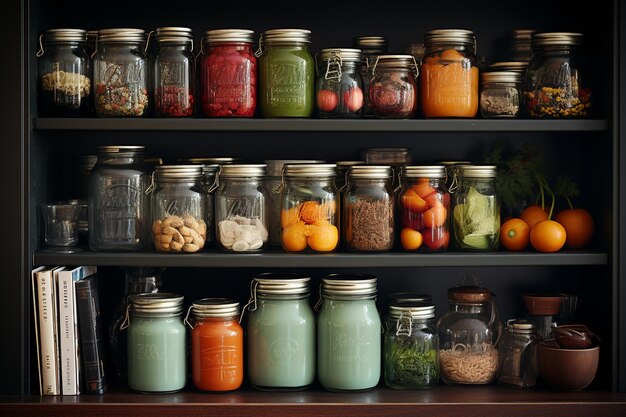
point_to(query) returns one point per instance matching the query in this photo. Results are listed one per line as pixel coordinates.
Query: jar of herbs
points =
(339, 89)
(518, 354)
(393, 88)
(371, 47)
(500, 95)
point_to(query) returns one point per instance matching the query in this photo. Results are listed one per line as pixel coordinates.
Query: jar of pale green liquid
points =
(281, 333)
(156, 343)
(348, 333)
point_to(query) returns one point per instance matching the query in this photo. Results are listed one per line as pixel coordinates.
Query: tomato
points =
(423, 189)
(353, 98)
(548, 236)
(515, 234)
(533, 215)
(436, 238)
(413, 202)
(434, 199)
(578, 225)
(435, 216)
(410, 239)
(327, 100)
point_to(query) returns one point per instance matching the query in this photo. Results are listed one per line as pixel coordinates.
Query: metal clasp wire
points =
(417, 71)
(259, 51)
(253, 286)
(148, 41)
(401, 325)
(375, 64)
(95, 47)
(345, 181)
(216, 181)
(455, 181)
(186, 319)
(40, 52)
(333, 74)
(318, 305)
(126, 321)
(152, 185)
(281, 186)
(399, 187)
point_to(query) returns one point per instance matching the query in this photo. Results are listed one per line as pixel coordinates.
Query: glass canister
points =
(118, 203)
(228, 73)
(371, 47)
(368, 209)
(411, 346)
(64, 73)
(349, 333)
(156, 343)
(120, 73)
(216, 344)
(178, 201)
(241, 216)
(515, 66)
(281, 332)
(500, 94)
(518, 354)
(468, 336)
(339, 89)
(174, 67)
(476, 219)
(393, 87)
(449, 75)
(309, 209)
(519, 44)
(286, 73)
(424, 204)
(555, 84)
(396, 157)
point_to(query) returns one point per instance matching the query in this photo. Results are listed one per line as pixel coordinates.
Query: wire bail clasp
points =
(333, 67)
(126, 321)
(252, 301)
(404, 325)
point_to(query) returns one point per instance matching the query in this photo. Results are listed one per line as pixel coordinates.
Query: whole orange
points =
(548, 236)
(579, 226)
(533, 215)
(411, 239)
(515, 234)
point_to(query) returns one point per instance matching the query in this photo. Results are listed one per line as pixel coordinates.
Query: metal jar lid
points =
(344, 54)
(395, 61)
(121, 35)
(362, 286)
(501, 77)
(310, 170)
(84, 162)
(522, 326)
(518, 66)
(477, 171)
(229, 35)
(540, 39)
(469, 294)
(65, 35)
(391, 156)
(214, 307)
(412, 309)
(423, 171)
(120, 149)
(242, 170)
(371, 42)
(521, 34)
(275, 166)
(449, 36)
(370, 172)
(178, 173)
(413, 297)
(281, 284)
(286, 36)
(210, 169)
(173, 34)
(159, 303)
(454, 163)
(220, 160)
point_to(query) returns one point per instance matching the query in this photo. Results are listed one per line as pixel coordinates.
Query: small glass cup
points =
(60, 226)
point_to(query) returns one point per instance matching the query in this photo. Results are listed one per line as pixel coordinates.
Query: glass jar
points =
(411, 346)
(64, 73)
(424, 205)
(241, 216)
(281, 333)
(393, 87)
(339, 89)
(348, 333)
(500, 94)
(555, 85)
(174, 66)
(518, 354)
(368, 209)
(216, 344)
(417, 50)
(118, 204)
(451, 168)
(156, 343)
(476, 220)
(286, 73)
(449, 75)
(519, 41)
(396, 157)
(178, 201)
(468, 337)
(309, 210)
(515, 66)
(342, 172)
(228, 73)
(371, 47)
(120, 73)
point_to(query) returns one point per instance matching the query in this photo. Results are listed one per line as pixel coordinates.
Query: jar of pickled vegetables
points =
(500, 94)
(371, 47)
(338, 90)
(393, 88)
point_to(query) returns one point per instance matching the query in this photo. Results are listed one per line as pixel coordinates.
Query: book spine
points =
(49, 358)
(68, 345)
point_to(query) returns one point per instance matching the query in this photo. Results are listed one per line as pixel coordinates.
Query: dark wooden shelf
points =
(451, 401)
(326, 125)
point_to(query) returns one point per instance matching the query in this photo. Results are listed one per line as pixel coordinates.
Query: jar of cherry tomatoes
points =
(174, 72)
(424, 206)
(228, 73)
(393, 88)
(339, 91)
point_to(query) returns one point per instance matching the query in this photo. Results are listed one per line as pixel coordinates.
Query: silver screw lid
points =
(423, 171)
(370, 172)
(368, 43)
(521, 326)
(412, 309)
(121, 35)
(556, 39)
(477, 171)
(173, 34)
(501, 77)
(349, 286)
(242, 170)
(345, 54)
(160, 303)
(518, 66)
(395, 61)
(215, 307)
(449, 36)
(275, 166)
(282, 284)
(178, 173)
(65, 35)
(229, 35)
(286, 35)
(120, 149)
(310, 170)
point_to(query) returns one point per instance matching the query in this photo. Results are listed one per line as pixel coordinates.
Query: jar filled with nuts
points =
(178, 200)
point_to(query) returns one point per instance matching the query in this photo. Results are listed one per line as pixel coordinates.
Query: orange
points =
(515, 234)
(414, 202)
(324, 238)
(310, 211)
(579, 226)
(548, 236)
(411, 239)
(435, 216)
(423, 189)
(293, 237)
(290, 216)
(533, 215)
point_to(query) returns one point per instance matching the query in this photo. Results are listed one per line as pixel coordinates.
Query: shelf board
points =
(321, 125)
(451, 401)
(276, 258)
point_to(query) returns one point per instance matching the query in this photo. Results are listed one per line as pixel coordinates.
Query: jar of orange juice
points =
(449, 75)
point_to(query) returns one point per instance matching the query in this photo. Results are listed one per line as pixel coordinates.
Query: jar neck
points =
(294, 46)
(209, 320)
(380, 182)
(440, 47)
(283, 297)
(323, 181)
(240, 181)
(120, 159)
(467, 308)
(238, 46)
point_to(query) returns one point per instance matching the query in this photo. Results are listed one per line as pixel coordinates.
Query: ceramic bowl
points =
(543, 304)
(567, 369)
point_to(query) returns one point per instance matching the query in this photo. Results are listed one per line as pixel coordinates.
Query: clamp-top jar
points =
(339, 89)
(64, 73)
(500, 94)
(449, 76)
(393, 88)
(371, 47)
(174, 67)
(228, 73)
(286, 73)
(120, 73)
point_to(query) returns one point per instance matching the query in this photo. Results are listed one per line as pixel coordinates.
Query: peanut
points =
(175, 233)
(190, 247)
(165, 238)
(169, 230)
(188, 239)
(156, 227)
(176, 246)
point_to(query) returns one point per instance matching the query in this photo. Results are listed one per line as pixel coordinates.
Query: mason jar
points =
(241, 216)
(342, 172)
(309, 209)
(556, 84)
(476, 219)
(518, 354)
(368, 209)
(157, 350)
(393, 87)
(424, 204)
(174, 67)
(449, 74)
(500, 95)
(118, 205)
(339, 89)
(514, 66)
(228, 73)
(349, 333)
(411, 346)
(178, 201)
(216, 344)
(286, 73)
(120, 73)
(64, 73)
(371, 47)
(519, 44)
(281, 332)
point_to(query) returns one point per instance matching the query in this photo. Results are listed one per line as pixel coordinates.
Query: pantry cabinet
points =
(37, 166)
